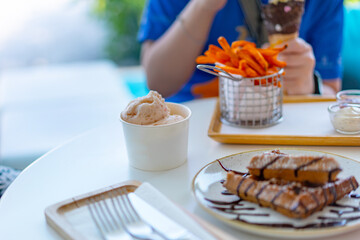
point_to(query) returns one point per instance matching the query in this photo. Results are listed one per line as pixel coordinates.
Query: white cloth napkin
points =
(160, 202)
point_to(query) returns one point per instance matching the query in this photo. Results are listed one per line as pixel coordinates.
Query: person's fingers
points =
(297, 59)
(292, 73)
(297, 45)
(298, 62)
(293, 86)
(293, 60)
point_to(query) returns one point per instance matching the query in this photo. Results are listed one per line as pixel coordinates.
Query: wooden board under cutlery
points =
(57, 215)
(310, 126)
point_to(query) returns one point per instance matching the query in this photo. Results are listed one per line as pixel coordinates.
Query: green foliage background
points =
(348, 2)
(122, 18)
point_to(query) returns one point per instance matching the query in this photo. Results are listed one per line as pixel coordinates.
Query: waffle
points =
(291, 199)
(311, 169)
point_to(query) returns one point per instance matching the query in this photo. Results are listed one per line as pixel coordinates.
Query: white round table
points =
(98, 159)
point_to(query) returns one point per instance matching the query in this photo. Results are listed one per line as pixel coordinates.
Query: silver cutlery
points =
(108, 226)
(116, 218)
(133, 223)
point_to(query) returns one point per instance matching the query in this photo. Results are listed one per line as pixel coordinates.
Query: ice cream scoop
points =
(149, 110)
(159, 145)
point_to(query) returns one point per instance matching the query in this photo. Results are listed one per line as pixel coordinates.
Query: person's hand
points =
(211, 5)
(299, 70)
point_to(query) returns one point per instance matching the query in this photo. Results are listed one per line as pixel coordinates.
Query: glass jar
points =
(345, 117)
(348, 96)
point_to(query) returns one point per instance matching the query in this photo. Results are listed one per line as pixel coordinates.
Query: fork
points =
(131, 220)
(108, 226)
(118, 226)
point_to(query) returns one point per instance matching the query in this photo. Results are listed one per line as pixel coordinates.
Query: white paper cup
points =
(161, 147)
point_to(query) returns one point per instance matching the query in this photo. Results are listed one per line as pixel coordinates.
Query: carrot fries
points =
(243, 58)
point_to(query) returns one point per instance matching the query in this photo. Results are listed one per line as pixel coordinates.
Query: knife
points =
(166, 226)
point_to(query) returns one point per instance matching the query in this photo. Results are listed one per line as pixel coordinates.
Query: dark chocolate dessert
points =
(283, 17)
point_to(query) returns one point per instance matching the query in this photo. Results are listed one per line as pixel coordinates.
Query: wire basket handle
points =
(210, 69)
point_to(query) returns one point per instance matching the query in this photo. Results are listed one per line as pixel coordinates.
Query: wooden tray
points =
(311, 127)
(57, 215)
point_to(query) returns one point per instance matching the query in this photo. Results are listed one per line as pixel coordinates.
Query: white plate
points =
(207, 186)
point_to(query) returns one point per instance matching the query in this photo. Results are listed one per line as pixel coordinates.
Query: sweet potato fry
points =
(232, 70)
(268, 52)
(210, 54)
(243, 58)
(243, 54)
(250, 72)
(204, 60)
(272, 70)
(229, 63)
(214, 49)
(271, 51)
(242, 43)
(257, 56)
(235, 61)
(225, 45)
(222, 56)
(242, 64)
(280, 49)
(274, 61)
(261, 82)
(214, 57)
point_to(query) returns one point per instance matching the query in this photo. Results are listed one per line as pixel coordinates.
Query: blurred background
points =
(67, 66)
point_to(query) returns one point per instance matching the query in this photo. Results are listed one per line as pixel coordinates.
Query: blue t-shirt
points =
(321, 26)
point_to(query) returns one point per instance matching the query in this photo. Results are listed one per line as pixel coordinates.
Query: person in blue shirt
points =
(173, 33)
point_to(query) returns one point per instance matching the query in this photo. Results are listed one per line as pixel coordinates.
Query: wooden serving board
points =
(306, 121)
(63, 216)
(56, 215)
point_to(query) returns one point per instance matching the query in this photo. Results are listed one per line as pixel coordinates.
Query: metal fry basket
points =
(248, 102)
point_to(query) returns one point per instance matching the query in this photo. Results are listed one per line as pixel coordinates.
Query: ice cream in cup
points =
(282, 19)
(156, 133)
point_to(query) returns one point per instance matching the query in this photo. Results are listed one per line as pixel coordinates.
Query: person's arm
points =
(170, 60)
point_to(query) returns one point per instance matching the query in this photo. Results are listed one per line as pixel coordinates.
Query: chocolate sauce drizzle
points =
(342, 211)
(240, 183)
(333, 193)
(325, 196)
(230, 170)
(307, 164)
(268, 164)
(248, 188)
(354, 195)
(226, 192)
(233, 208)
